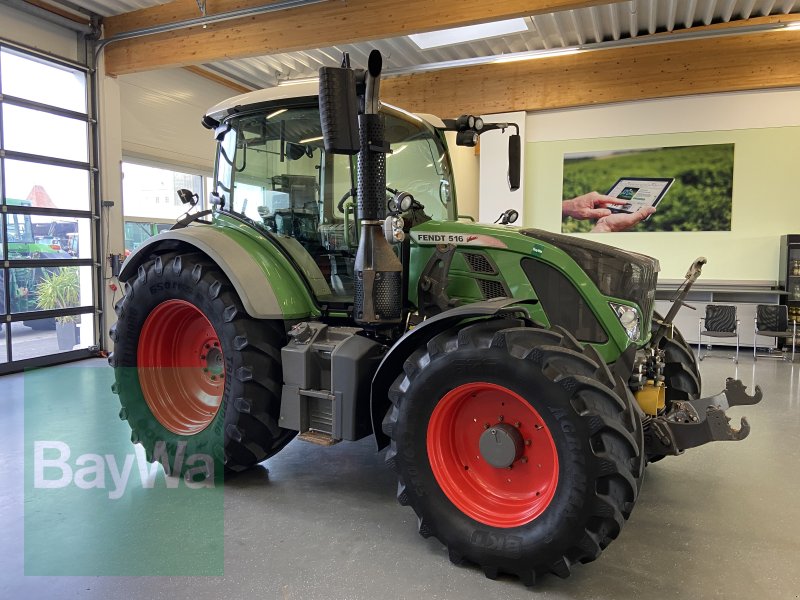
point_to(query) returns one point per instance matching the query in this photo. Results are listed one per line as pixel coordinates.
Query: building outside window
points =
(150, 200)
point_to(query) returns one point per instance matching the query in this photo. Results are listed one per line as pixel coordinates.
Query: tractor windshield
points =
(273, 169)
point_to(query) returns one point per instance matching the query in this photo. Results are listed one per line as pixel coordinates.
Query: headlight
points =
(629, 318)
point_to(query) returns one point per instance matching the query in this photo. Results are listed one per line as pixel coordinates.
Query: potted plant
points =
(61, 289)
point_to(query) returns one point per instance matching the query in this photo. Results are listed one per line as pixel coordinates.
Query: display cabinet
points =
(789, 273)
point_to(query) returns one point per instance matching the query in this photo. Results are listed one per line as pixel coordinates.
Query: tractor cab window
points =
(418, 165)
(273, 169)
(19, 229)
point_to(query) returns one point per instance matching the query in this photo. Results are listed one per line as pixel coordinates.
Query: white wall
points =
(765, 128)
(712, 112)
(161, 112)
(25, 29)
(155, 117)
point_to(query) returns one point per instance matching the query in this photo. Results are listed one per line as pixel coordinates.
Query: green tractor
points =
(519, 378)
(24, 281)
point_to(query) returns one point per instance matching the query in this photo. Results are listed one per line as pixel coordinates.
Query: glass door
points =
(48, 279)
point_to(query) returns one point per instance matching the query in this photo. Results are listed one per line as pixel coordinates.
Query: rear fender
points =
(392, 364)
(267, 286)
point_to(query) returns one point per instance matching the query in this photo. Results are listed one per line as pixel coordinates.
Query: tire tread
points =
(252, 434)
(618, 468)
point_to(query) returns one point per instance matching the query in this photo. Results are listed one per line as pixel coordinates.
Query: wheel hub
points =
(213, 361)
(501, 475)
(501, 445)
(181, 367)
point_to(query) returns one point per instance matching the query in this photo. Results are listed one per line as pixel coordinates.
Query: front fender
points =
(265, 283)
(392, 363)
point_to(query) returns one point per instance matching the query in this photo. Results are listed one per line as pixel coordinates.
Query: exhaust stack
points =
(378, 271)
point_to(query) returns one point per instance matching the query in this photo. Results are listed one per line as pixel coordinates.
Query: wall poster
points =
(678, 188)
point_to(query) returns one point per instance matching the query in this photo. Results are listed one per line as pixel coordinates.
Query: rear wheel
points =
(513, 448)
(194, 373)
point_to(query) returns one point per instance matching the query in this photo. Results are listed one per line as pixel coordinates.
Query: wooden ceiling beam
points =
(201, 72)
(319, 25)
(698, 66)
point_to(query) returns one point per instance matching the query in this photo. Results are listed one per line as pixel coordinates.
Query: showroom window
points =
(48, 278)
(150, 200)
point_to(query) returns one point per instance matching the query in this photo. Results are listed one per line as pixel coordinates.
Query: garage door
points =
(48, 280)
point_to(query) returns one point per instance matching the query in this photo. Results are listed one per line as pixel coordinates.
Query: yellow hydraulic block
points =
(651, 397)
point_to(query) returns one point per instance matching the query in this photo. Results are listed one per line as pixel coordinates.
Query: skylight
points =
(459, 35)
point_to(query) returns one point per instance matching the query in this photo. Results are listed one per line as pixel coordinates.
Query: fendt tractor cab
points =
(519, 378)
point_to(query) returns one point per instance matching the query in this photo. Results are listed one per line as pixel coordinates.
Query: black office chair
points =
(720, 322)
(772, 320)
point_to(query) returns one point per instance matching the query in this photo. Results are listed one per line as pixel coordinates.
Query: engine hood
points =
(617, 273)
(581, 246)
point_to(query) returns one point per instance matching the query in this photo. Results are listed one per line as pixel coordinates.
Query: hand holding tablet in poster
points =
(629, 201)
(638, 193)
(609, 212)
(589, 206)
(622, 221)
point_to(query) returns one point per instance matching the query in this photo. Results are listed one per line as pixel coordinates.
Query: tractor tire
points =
(681, 373)
(194, 373)
(576, 463)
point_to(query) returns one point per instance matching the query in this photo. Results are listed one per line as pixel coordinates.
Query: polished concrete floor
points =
(722, 521)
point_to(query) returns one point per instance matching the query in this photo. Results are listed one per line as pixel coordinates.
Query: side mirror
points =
(508, 217)
(514, 153)
(297, 151)
(188, 197)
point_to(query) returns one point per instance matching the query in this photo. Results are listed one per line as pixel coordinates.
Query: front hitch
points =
(692, 423)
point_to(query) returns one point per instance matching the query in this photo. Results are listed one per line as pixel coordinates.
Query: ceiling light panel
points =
(470, 33)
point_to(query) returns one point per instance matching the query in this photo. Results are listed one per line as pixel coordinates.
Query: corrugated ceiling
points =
(611, 22)
(106, 8)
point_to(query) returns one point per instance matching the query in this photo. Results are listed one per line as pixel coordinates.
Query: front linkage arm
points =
(692, 423)
(679, 300)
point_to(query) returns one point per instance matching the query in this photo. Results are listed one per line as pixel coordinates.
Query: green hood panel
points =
(490, 260)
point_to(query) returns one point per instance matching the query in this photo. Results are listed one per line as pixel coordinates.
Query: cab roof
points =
(237, 103)
(307, 89)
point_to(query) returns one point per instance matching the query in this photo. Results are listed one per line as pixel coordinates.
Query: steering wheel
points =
(343, 199)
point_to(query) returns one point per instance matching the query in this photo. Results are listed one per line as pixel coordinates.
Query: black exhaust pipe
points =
(378, 271)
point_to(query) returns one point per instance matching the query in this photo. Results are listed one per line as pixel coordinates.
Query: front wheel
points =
(513, 448)
(681, 373)
(196, 376)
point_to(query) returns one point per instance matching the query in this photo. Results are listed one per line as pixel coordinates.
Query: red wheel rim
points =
(181, 367)
(495, 496)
